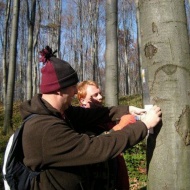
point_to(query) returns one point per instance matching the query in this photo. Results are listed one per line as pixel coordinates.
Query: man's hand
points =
(124, 121)
(136, 111)
(152, 117)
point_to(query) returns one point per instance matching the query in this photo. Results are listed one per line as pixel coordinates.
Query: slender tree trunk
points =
(59, 6)
(126, 74)
(5, 65)
(21, 65)
(31, 23)
(95, 41)
(7, 127)
(138, 43)
(36, 77)
(125, 42)
(165, 55)
(111, 83)
(80, 11)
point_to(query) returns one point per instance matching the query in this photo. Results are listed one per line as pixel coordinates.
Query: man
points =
(53, 140)
(89, 96)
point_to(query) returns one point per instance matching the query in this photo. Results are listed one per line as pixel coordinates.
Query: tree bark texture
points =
(5, 65)
(165, 54)
(31, 22)
(7, 125)
(111, 81)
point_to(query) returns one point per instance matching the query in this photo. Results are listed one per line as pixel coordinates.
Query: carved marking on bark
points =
(158, 100)
(183, 125)
(154, 28)
(156, 62)
(170, 69)
(150, 50)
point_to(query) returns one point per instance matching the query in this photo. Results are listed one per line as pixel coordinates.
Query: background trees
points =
(77, 29)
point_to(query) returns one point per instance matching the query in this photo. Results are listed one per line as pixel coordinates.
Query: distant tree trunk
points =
(59, 8)
(139, 45)
(31, 23)
(111, 81)
(21, 67)
(21, 76)
(36, 77)
(5, 65)
(7, 127)
(95, 41)
(80, 15)
(36, 72)
(165, 54)
(126, 73)
(125, 42)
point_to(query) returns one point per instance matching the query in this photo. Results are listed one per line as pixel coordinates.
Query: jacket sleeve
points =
(53, 143)
(85, 117)
(62, 146)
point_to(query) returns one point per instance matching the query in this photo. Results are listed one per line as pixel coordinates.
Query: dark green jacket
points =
(60, 148)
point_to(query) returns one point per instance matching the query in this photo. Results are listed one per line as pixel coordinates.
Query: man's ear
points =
(58, 92)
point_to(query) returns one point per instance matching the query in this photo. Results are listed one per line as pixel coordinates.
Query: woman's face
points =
(93, 97)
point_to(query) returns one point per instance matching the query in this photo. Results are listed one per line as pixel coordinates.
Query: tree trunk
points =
(59, 13)
(165, 56)
(125, 42)
(111, 81)
(95, 17)
(36, 70)
(31, 23)
(5, 65)
(80, 16)
(7, 127)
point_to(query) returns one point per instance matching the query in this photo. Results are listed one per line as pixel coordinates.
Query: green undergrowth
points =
(135, 157)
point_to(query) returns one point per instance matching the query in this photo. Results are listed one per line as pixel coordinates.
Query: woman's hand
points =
(136, 111)
(124, 121)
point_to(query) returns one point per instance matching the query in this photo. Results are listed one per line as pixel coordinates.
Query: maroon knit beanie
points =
(56, 73)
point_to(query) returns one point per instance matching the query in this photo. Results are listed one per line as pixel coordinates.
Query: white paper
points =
(147, 107)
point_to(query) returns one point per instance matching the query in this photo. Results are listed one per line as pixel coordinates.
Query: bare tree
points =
(94, 14)
(5, 41)
(31, 12)
(58, 18)
(111, 83)
(36, 73)
(81, 31)
(165, 55)
(21, 67)
(7, 126)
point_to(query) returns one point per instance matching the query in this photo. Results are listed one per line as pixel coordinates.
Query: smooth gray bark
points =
(165, 55)
(111, 80)
(31, 22)
(5, 41)
(7, 125)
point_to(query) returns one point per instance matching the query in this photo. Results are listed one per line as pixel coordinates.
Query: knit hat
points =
(56, 73)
